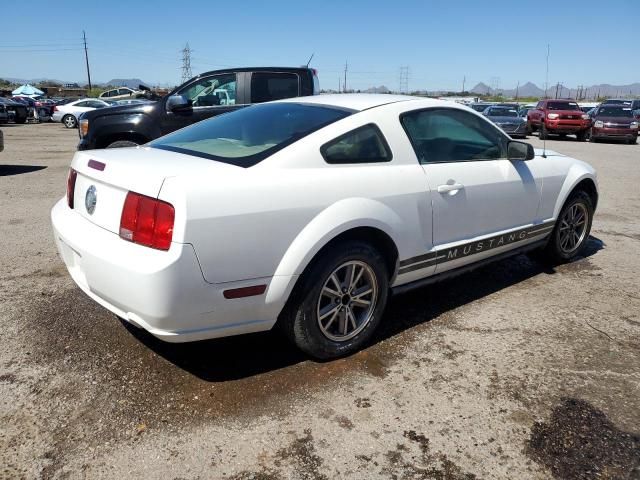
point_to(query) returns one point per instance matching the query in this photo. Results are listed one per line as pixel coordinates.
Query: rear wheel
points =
(122, 144)
(632, 141)
(338, 302)
(69, 121)
(572, 228)
(582, 136)
(21, 119)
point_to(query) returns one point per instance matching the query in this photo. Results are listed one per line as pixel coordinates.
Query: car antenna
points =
(310, 59)
(546, 83)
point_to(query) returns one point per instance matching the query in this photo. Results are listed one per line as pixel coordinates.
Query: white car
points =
(69, 113)
(120, 93)
(308, 212)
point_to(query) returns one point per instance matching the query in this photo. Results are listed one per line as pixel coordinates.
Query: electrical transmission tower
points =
(404, 80)
(186, 63)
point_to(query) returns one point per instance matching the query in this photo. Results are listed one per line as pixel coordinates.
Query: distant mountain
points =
(126, 82)
(530, 89)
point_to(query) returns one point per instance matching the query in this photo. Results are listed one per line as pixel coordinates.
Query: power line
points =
(186, 63)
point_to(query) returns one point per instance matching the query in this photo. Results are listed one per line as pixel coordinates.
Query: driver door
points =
(476, 191)
(210, 96)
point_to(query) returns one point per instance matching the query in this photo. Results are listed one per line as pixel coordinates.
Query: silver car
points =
(507, 118)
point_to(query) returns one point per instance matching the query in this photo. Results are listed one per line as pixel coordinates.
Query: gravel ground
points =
(516, 370)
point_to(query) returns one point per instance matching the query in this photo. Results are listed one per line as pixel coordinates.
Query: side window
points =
(124, 91)
(266, 86)
(212, 91)
(82, 104)
(363, 145)
(452, 135)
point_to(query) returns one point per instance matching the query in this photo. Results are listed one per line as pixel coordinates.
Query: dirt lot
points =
(514, 371)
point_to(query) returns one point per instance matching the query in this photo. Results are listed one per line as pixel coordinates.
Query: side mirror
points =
(520, 151)
(177, 103)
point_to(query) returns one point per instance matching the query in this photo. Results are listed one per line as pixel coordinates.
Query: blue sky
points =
(499, 42)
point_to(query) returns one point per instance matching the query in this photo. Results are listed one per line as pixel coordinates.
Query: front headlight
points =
(585, 117)
(634, 125)
(84, 127)
(552, 116)
(599, 124)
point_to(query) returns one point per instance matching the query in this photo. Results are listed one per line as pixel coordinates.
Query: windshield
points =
(502, 112)
(247, 136)
(479, 107)
(563, 106)
(617, 102)
(615, 112)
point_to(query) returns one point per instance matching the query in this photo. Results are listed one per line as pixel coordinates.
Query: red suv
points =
(561, 117)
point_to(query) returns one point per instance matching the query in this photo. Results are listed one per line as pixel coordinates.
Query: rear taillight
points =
(71, 186)
(147, 221)
(55, 108)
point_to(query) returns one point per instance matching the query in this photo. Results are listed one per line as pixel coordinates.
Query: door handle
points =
(454, 187)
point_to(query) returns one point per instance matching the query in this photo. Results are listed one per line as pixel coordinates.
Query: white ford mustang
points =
(308, 212)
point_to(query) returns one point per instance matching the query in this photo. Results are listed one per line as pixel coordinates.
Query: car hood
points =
(618, 120)
(579, 113)
(506, 119)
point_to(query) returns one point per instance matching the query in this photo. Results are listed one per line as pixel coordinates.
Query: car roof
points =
(364, 101)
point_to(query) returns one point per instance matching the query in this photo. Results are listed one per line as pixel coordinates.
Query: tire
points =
(633, 141)
(21, 119)
(327, 340)
(582, 136)
(558, 250)
(544, 134)
(69, 121)
(529, 129)
(122, 144)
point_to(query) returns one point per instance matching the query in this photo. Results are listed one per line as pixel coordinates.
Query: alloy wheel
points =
(573, 227)
(347, 301)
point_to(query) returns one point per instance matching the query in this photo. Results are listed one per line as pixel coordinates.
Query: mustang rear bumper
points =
(162, 292)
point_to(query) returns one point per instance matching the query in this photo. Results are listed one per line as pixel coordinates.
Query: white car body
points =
(119, 93)
(76, 108)
(237, 227)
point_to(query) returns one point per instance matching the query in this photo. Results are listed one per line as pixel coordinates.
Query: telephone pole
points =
(517, 89)
(86, 58)
(186, 63)
(464, 79)
(344, 85)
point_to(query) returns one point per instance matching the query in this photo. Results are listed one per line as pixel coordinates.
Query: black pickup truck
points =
(204, 96)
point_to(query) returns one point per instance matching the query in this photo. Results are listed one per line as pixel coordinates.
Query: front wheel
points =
(69, 121)
(572, 228)
(339, 301)
(582, 136)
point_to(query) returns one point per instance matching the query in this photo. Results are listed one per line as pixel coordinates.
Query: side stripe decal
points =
(471, 248)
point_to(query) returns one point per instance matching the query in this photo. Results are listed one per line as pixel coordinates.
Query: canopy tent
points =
(27, 90)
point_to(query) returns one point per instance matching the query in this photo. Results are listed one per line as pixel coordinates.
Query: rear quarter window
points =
(267, 86)
(365, 144)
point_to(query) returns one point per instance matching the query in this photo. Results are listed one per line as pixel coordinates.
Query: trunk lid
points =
(106, 176)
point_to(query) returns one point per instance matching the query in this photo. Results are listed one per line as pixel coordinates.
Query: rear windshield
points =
(615, 112)
(563, 106)
(502, 112)
(247, 136)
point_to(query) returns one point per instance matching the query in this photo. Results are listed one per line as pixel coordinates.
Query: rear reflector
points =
(96, 164)
(147, 221)
(244, 291)
(71, 186)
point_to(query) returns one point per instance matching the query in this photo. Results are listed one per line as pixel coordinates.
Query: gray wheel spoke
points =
(358, 302)
(333, 317)
(335, 281)
(328, 310)
(364, 291)
(330, 292)
(351, 318)
(357, 279)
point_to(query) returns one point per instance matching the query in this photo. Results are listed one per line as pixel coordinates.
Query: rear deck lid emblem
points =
(90, 199)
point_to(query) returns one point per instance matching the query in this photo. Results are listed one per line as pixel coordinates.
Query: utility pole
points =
(464, 79)
(86, 58)
(344, 85)
(186, 63)
(517, 90)
(339, 86)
